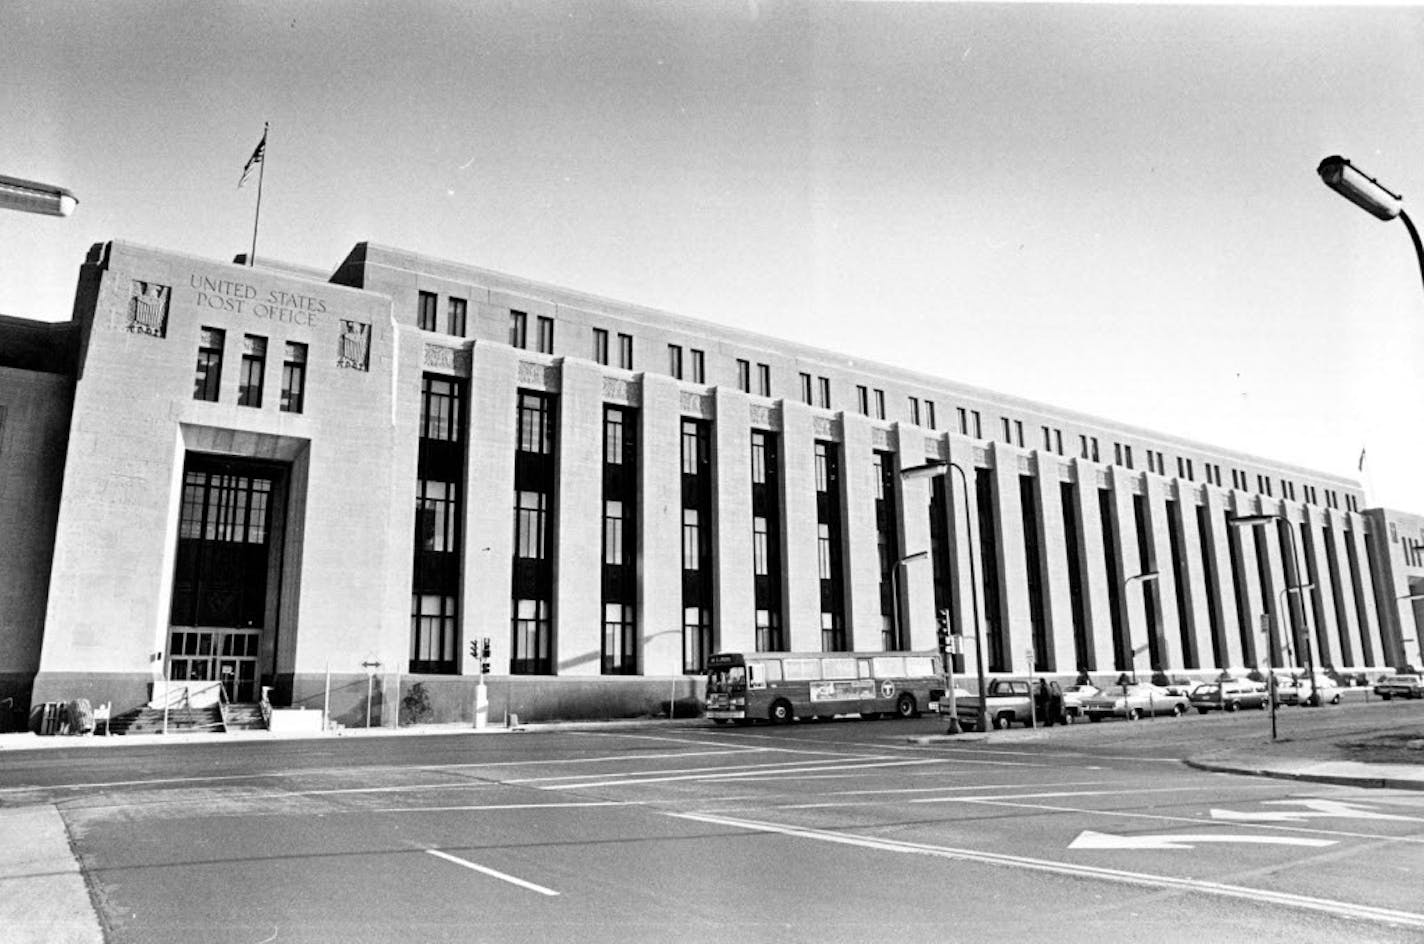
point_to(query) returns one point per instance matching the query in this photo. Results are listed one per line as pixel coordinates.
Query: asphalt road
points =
(827, 832)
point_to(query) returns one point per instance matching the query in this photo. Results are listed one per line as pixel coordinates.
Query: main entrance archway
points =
(225, 573)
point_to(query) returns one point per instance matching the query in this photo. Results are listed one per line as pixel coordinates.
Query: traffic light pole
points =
(948, 655)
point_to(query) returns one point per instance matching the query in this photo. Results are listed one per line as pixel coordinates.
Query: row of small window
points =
(817, 392)
(208, 377)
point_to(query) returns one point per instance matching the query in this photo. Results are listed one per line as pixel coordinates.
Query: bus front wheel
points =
(905, 707)
(780, 712)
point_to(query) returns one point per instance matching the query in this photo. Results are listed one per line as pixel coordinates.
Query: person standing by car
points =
(1042, 703)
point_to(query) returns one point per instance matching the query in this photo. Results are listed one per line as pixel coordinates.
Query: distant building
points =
(263, 478)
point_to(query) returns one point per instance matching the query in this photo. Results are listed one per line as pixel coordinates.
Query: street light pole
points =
(1145, 577)
(1369, 195)
(931, 469)
(1407, 666)
(1243, 521)
(895, 594)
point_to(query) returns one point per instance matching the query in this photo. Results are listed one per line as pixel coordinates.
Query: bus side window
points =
(863, 666)
(756, 675)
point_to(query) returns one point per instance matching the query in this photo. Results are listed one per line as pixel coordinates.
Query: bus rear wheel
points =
(905, 706)
(780, 711)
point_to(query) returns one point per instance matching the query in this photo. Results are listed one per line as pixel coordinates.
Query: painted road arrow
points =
(1093, 840)
(1314, 809)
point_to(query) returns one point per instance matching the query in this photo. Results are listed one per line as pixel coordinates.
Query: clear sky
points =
(1112, 209)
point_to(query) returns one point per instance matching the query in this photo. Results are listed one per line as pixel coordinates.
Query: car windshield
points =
(1205, 690)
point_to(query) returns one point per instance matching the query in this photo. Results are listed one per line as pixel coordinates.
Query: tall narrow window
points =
(828, 547)
(699, 366)
(915, 410)
(620, 547)
(546, 335)
(930, 414)
(518, 329)
(766, 541)
(824, 387)
(600, 346)
(862, 398)
(806, 389)
(435, 582)
(457, 317)
(209, 375)
(675, 360)
(294, 377)
(880, 404)
(625, 351)
(697, 560)
(532, 587)
(744, 376)
(428, 302)
(254, 366)
(764, 380)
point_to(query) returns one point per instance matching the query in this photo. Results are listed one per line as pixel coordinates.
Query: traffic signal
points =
(942, 630)
(485, 656)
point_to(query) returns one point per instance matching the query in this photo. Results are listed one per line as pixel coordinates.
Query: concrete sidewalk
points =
(44, 899)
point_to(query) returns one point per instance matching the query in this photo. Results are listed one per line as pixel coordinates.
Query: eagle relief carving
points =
(148, 309)
(355, 345)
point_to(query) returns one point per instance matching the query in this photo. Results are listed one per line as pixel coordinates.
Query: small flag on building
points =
(256, 157)
(1362, 460)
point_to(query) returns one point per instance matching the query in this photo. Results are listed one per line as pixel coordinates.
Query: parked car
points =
(1073, 696)
(1296, 690)
(1403, 686)
(1133, 701)
(1229, 696)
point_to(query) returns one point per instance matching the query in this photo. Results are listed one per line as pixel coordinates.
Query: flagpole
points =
(257, 214)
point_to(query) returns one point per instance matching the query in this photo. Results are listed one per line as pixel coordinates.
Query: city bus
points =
(780, 686)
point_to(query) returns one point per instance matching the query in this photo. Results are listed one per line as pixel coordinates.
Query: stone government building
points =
(267, 477)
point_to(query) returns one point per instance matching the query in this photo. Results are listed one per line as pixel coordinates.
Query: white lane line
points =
(720, 768)
(1343, 909)
(1049, 808)
(505, 806)
(741, 776)
(966, 786)
(484, 870)
(600, 759)
(1056, 793)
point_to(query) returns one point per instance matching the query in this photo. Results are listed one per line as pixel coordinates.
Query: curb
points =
(1372, 783)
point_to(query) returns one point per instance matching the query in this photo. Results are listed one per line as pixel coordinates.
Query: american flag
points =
(256, 157)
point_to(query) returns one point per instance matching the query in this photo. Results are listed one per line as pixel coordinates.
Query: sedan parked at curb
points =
(1297, 690)
(1133, 702)
(1401, 686)
(1229, 696)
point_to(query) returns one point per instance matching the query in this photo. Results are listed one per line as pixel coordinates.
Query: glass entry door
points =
(228, 656)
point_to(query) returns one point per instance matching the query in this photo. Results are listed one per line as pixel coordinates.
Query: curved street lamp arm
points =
(1414, 235)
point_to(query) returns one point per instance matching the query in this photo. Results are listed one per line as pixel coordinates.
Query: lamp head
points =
(1360, 189)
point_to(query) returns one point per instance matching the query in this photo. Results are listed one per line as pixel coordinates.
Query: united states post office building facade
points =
(333, 485)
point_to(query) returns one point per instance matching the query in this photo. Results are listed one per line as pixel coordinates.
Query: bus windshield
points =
(733, 678)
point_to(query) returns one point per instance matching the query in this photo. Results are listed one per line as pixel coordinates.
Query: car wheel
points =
(1178, 711)
(1004, 722)
(1095, 718)
(1335, 700)
(1232, 705)
(719, 721)
(780, 711)
(1134, 714)
(1384, 695)
(1202, 711)
(905, 707)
